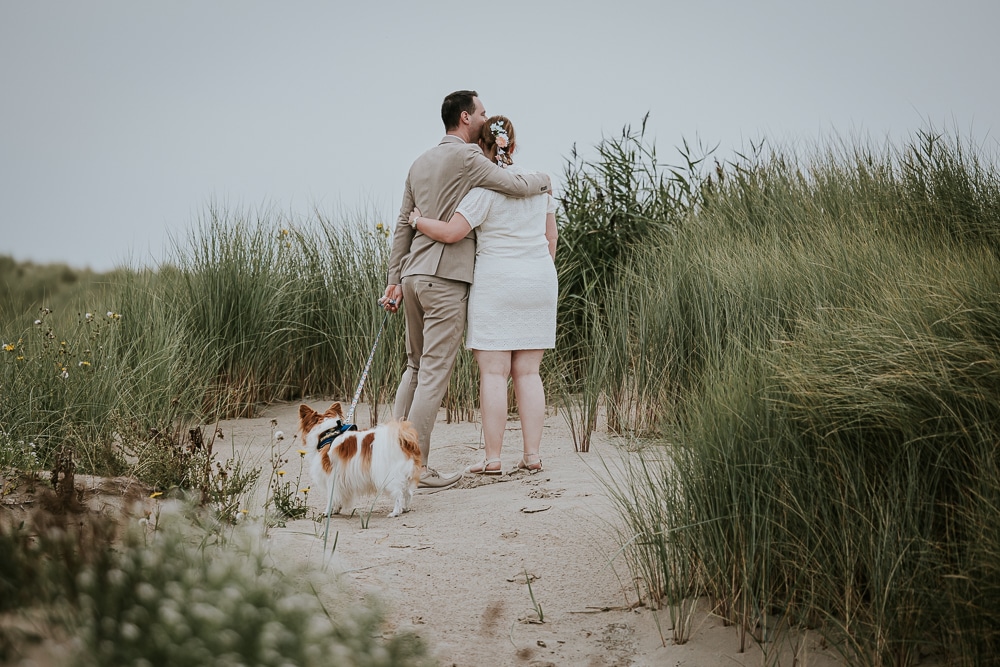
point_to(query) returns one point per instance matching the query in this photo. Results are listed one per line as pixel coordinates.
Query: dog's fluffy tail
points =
(402, 431)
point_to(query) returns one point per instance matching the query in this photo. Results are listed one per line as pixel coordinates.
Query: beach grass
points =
(826, 398)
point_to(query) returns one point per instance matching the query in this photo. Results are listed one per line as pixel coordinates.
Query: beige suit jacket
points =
(436, 183)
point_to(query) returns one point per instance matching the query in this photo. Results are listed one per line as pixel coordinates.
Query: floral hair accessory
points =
(500, 134)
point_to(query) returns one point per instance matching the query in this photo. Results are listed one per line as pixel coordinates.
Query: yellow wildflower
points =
(8, 347)
(281, 473)
(156, 494)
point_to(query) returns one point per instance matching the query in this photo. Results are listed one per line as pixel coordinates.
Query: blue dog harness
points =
(331, 434)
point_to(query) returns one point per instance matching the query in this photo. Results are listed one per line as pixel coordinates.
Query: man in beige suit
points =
(430, 279)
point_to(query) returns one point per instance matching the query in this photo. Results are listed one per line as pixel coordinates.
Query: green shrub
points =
(178, 600)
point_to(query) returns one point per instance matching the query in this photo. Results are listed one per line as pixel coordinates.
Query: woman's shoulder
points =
(478, 196)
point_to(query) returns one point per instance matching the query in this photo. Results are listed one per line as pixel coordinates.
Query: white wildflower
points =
(129, 631)
(116, 577)
(146, 592)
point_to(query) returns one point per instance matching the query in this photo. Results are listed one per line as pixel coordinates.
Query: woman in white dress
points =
(512, 303)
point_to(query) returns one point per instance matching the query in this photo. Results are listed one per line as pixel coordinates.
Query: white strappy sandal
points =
(483, 468)
(531, 468)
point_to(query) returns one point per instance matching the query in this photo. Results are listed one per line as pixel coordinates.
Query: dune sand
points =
(453, 569)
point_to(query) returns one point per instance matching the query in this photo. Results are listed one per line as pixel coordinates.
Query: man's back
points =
(437, 181)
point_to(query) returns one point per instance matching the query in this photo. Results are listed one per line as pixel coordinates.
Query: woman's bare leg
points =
(494, 369)
(530, 400)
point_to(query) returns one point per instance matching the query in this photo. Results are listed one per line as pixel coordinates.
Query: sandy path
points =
(452, 569)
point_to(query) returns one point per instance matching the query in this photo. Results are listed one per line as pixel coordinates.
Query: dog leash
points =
(342, 427)
(364, 373)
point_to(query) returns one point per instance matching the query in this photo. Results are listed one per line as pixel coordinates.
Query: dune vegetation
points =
(802, 347)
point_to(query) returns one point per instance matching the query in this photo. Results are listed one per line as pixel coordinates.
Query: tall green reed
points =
(612, 204)
(826, 334)
(254, 307)
(288, 307)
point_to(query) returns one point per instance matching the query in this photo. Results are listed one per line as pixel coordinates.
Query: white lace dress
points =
(512, 303)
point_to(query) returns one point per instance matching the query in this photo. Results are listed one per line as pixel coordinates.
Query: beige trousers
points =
(435, 310)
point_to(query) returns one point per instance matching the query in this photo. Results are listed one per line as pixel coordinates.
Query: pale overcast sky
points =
(122, 120)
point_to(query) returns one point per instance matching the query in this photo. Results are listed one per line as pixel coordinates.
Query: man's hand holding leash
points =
(392, 298)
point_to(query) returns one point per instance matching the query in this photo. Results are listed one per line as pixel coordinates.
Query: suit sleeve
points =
(402, 237)
(485, 174)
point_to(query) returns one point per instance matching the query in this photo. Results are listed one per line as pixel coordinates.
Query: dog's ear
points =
(307, 418)
(334, 411)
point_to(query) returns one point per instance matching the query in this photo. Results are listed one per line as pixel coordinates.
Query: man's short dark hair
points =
(453, 106)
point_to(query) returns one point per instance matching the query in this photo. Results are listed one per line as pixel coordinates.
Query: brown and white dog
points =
(385, 458)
